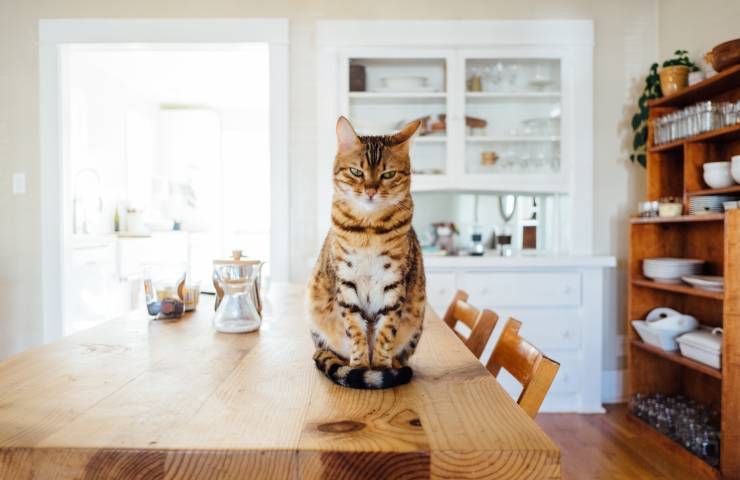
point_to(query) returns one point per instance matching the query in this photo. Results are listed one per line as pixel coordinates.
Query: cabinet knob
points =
(566, 334)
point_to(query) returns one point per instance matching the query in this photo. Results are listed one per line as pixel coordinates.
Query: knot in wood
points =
(344, 426)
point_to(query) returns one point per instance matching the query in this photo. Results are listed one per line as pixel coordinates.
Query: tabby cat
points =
(366, 295)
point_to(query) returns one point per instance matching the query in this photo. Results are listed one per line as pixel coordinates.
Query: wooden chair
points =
(532, 369)
(481, 324)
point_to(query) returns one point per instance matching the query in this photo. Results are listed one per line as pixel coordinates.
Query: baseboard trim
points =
(613, 386)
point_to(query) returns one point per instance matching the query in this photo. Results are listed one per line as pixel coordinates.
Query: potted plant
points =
(654, 88)
(639, 120)
(674, 75)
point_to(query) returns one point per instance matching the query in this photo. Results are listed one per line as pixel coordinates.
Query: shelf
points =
(678, 358)
(715, 191)
(678, 288)
(511, 95)
(397, 97)
(492, 182)
(430, 139)
(709, 217)
(682, 456)
(513, 139)
(720, 135)
(704, 90)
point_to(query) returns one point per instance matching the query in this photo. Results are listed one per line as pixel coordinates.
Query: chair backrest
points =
(480, 323)
(531, 368)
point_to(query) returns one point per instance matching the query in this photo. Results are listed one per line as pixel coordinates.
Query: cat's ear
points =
(402, 139)
(347, 139)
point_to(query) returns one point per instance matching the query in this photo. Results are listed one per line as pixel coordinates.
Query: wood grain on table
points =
(134, 398)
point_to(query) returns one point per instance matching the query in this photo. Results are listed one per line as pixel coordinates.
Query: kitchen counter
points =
(136, 398)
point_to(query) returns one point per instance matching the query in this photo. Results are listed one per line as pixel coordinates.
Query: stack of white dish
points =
(735, 168)
(662, 325)
(708, 204)
(717, 174)
(705, 282)
(670, 270)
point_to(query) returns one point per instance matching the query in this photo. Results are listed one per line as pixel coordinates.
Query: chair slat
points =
(481, 324)
(481, 332)
(529, 366)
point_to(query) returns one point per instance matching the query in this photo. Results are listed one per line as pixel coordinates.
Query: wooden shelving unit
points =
(684, 289)
(708, 217)
(678, 358)
(675, 170)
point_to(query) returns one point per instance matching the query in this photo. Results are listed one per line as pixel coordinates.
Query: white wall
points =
(696, 26)
(625, 46)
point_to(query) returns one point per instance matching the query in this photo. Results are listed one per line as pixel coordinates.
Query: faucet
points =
(77, 199)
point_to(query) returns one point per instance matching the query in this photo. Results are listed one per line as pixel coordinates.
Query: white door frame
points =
(54, 34)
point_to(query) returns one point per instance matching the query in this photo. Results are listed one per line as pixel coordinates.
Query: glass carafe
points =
(238, 310)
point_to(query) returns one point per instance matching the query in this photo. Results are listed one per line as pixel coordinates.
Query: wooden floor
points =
(609, 447)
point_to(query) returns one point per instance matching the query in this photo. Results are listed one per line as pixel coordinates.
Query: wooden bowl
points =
(724, 55)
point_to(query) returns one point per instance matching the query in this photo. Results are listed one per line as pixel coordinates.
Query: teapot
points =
(238, 303)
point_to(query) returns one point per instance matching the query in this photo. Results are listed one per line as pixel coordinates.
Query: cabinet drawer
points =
(440, 289)
(567, 379)
(526, 289)
(545, 328)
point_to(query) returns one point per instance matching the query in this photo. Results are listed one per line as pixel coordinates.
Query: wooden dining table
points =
(136, 398)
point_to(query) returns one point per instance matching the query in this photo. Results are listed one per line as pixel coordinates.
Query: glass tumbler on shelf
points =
(727, 114)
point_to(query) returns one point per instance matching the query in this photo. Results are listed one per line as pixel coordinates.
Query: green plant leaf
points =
(636, 142)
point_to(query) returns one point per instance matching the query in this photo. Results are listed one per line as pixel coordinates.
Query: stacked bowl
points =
(718, 174)
(735, 168)
(670, 270)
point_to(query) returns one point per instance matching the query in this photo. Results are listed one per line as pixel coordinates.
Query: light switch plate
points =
(19, 183)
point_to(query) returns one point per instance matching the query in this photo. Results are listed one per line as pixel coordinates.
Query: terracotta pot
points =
(673, 79)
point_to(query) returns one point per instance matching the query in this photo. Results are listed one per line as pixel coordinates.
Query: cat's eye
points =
(355, 171)
(388, 175)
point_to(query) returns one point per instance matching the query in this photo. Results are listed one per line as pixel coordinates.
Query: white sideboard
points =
(561, 303)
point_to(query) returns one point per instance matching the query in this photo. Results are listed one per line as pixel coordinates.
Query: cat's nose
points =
(371, 192)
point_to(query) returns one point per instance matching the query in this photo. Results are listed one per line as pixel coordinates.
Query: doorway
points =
(167, 153)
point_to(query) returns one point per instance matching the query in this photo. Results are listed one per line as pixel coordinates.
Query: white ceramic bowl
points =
(718, 178)
(735, 171)
(716, 166)
(735, 160)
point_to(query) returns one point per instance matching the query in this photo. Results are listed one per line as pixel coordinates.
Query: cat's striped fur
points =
(367, 293)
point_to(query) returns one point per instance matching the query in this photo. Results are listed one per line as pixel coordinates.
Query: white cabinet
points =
(93, 292)
(561, 308)
(507, 108)
(441, 286)
(525, 288)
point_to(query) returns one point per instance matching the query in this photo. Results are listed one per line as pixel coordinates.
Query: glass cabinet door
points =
(512, 116)
(384, 93)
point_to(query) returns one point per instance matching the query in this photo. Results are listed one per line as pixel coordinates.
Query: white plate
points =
(705, 282)
(424, 89)
(670, 270)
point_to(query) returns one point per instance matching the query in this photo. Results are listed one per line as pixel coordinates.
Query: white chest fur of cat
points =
(370, 272)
